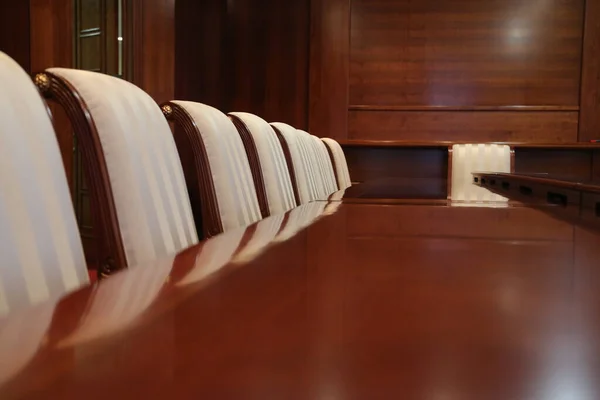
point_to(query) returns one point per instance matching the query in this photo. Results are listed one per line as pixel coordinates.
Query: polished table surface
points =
(406, 301)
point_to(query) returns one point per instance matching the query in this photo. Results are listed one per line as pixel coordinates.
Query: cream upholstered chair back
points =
(138, 189)
(227, 193)
(288, 140)
(317, 184)
(326, 166)
(276, 176)
(469, 158)
(340, 166)
(42, 255)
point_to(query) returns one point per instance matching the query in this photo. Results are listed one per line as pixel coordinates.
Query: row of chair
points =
(153, 192)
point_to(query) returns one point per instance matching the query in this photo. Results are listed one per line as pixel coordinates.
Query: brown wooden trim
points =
(290, 163)
(369, 107)
(329, 68)
(440, 144)
(449, 177)
(254, 161)
(198, 176)
(512, 160)
(104, 214)
(335, 170)
(589, 115)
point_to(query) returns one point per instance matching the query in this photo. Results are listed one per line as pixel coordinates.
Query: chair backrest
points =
(326, 166)
(288, 139)
(318, 188)
(139, 197)
(42, 255)
(469, 158)
(263, 140)
(340, 166)
(322, 167)
(226, 193)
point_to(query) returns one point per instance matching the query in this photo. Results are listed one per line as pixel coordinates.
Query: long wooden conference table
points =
(407, 299)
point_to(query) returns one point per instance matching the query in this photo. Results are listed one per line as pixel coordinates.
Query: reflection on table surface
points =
(422, 301)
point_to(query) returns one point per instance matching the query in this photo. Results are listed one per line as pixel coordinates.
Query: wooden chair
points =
(261, 142)
(42, 255)
(225, 192)
(319, 185)
(338, 160)
(325, 166)
(298, 163)
(140, 204)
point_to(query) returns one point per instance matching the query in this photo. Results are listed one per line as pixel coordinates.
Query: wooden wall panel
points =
(329, 68)
(269, 48)
(244, 55)
(576, 164)
(478, 126)
(51, 45)
(14, 31)
(466, 53)
(589, 122)
(200, 48)
(153, 47)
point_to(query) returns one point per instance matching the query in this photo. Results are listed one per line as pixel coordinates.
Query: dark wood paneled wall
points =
(465, 53)
(477, 126)
(589, 121)
(492, 70)
(457, 70)
(329, 66)
(153, 31)
(14, 31)
(245, 55)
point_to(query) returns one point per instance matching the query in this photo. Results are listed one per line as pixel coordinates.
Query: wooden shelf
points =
(400, 143)
(368, 107)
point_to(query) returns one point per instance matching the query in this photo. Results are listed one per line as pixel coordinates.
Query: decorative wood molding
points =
(516, 108)
(196, 169)
(440, 144)
(104, 213)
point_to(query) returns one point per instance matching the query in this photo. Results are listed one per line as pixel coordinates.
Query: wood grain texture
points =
(200, 52)
(466, 53)
(479, 126)
(589, 118)
(340, 306)
(243, 55)
(445, 143)
(329, 68)
(370, 107)
(269, 50)
(14, 31)
(153, 39)
(51, 45)
(466, 222)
